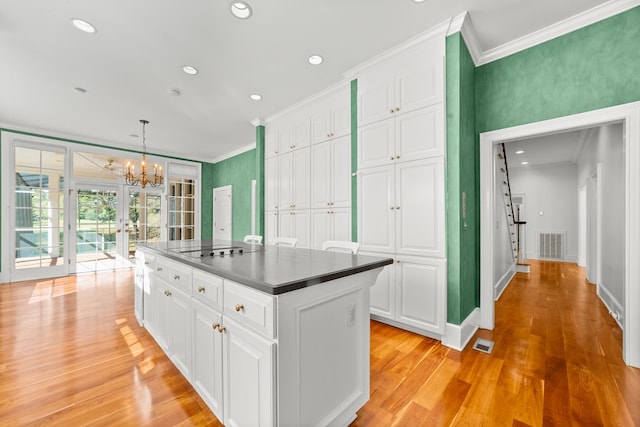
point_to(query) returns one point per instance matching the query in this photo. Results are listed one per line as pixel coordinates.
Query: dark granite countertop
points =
(271, 269)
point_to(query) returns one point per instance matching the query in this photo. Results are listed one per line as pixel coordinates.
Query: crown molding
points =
(462, 23)
(439, 30)
(583, 19)
(258, 121)
(233, 153)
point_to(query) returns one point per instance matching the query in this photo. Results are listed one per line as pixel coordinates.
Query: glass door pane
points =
(144, 219)
(38, 242)
(96, 230)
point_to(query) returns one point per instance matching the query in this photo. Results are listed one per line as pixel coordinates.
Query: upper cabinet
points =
(287, 134)
(331, 116)
(412, 80)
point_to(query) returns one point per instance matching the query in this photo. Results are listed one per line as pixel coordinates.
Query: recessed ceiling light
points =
(240, 9)
(418, 1)
(190, 70)
(519, 152)
(83, 25)
(255, 97)
(80, 89)
(315, 60)
(524, 163)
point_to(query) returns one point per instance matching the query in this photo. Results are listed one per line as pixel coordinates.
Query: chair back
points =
(341, 246)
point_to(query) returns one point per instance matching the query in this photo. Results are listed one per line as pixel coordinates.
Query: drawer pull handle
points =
(201, 289)
(176, 277)
(221, 329)
(167, 293)
(239, 307)
(215, 326)
(159, 269)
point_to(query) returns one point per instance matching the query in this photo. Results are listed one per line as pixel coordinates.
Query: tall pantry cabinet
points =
(308, 171)
(401, 184)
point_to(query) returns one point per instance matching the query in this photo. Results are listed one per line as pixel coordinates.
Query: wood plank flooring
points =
(72, 353)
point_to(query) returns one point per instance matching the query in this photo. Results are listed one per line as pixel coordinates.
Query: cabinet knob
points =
(397, 261)
(328, 135)
(146, 263)
(159, 269)
(328, 203)
(397, 157)
(397, 208)
(215, 326)
(392, 207)
(397, 109)
(176, 277)
(167, 293)
(201, 289)
(221, 329)
(239, 307)
(391, 111)
(391, 158)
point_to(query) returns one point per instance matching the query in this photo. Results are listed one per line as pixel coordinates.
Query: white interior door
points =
(222, 213)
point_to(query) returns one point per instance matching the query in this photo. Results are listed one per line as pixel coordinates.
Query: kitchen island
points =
(268, 336)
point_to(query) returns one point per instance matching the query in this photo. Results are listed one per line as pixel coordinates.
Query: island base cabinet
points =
(323, 352)
(249, 377)
(207, 356)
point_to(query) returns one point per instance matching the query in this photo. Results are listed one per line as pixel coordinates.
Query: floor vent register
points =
(483, 345)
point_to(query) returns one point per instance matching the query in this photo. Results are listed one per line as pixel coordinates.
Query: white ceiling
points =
(135, 58)
(555, 149)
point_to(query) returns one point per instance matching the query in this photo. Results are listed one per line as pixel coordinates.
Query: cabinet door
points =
(249, 380)
(376, 144)
(341, 224)
(320, 227)
(421, 293)
(375, 96)
(301, 178)
(419, 76)
(179, 330)
(285, 181)
(383, 292)
(420, 134)
(419, 209)
(207, 357)
(271, 226)
(157, 324)
(340, 178)
(302, 228)
(320, 122)
(321, 175)
(271, 183)
(286, 224)
(341, 113)
(376, 209)
(271, 141)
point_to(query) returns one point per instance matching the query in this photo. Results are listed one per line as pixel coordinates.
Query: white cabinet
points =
(412, 291)
(271, 226)
(331, 115)
(207, 357)
(271, 183)
(416, 135)
(402, 208)
(294, 180)
(330, 224)
(412, 80)
(295, 223)
(287, 134)
(249, 383)
(331, 174)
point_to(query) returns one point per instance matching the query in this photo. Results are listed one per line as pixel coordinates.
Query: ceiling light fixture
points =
(418, 1)
(524, 163)
(255, 97)
(315, 60)
(83, 25)
(519, 152)
(189, 69)
(132, 179)
(240, 9)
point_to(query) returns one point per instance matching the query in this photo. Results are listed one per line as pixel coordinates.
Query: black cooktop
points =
(207, 251)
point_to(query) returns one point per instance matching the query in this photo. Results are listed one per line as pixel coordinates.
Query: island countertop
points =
(267, 268)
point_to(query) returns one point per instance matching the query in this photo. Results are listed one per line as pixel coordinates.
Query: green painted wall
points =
(259, 165)
(463, 255)
(206, 201)
(594, 67)
(354, 160)
(237, 171)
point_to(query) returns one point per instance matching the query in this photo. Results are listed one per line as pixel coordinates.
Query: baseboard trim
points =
(458, 336)
(499, 287)
(615, 308)
(406, 327)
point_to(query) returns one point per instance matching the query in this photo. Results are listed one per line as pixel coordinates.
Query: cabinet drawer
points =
(207, 288)
(174, 273)
(250, 307)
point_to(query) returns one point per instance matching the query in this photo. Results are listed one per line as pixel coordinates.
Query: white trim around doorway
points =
(629, 115)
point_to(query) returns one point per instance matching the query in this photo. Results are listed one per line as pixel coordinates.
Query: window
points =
(182, 205)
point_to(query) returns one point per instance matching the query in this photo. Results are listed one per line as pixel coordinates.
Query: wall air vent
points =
(551, 245)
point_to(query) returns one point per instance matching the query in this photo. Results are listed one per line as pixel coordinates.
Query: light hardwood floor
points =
(72, 353)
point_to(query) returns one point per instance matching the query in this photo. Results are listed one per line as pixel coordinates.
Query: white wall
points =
(605, 147)
(553, 191)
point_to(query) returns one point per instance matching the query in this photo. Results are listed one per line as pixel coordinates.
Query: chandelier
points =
(143, 179)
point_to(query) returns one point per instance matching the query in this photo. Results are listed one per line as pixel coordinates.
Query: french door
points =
(109, 221)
